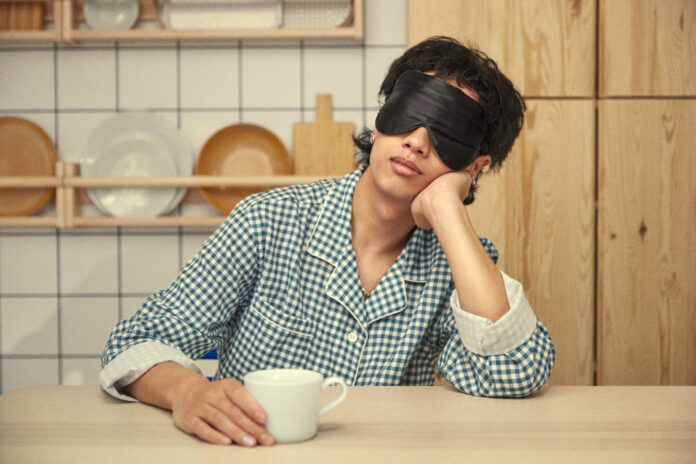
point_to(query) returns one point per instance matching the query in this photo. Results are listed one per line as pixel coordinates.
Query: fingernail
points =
(248, 441)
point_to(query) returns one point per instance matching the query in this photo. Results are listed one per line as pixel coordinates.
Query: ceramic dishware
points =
(220, 14)
(111, 14)
(243, 150)
(25, 150)
(136, 144)
(291, 399)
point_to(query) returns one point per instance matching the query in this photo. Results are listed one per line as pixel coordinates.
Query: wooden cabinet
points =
(646, 263)
(629, 266)
(647, 48)
(539, 211)
(547, 48)
(646, 297)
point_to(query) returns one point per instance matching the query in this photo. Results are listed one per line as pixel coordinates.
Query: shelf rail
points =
(67, 182)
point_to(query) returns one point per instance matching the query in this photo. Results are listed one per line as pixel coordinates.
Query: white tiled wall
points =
(61, 292)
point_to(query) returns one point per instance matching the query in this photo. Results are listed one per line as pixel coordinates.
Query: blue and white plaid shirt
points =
(277, 286)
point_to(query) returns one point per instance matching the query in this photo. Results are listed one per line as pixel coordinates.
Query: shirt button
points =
(352, 337)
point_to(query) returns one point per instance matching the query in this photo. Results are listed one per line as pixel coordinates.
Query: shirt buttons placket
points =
(352, 336)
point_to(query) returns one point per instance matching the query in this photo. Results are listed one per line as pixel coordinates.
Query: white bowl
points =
(111, 14)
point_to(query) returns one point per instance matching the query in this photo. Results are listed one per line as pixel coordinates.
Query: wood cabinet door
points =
(547, 48)
(540, 213)
(647, 47)
(647, 242)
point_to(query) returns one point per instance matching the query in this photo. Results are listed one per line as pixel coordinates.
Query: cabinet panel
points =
(646, 242)
(647, 47)
(547, 48)
(540, 213)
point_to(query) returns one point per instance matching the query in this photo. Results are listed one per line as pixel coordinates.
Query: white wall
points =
(61, 292)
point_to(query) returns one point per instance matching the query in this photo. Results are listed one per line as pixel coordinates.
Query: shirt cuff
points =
(482, 336)
(135, 361)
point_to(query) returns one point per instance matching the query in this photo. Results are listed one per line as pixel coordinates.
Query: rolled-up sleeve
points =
(512, 357)
(482, 336)
(132, 363)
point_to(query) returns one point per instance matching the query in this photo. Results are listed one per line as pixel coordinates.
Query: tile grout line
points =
(1, 390)
(117, 81)
(59, 308)
(119, 273)
(58, 300)
(179, 123)
(240, 79)
(302, 82)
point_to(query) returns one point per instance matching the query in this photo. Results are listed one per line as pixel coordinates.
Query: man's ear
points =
(481, 162)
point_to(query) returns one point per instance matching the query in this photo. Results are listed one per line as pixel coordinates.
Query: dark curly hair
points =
(503, 106)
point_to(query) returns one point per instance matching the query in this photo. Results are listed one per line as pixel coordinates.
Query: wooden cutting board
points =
(323, 147)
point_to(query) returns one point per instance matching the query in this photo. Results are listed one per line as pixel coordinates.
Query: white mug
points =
(291, 400)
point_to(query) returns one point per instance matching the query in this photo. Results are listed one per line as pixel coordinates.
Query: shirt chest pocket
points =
(269, 337)
(279, 319)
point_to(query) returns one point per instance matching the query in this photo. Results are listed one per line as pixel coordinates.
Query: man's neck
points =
(380, 224)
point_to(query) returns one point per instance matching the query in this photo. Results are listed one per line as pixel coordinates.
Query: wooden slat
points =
(192, 181)
(539, 211)
(28, 181)
(160, 221)
(547, 48)
(647, 242)
(647, 47)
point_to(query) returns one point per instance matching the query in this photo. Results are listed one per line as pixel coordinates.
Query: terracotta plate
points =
(240, 150)
(25, 150)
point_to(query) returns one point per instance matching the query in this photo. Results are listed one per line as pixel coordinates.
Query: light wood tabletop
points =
(61, 424)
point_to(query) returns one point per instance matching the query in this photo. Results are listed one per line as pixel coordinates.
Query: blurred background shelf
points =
(64, 21)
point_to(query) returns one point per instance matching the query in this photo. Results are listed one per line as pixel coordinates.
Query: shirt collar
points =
(331, 236)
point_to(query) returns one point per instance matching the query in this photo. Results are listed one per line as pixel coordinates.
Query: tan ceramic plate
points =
(25, 150)
(242, 150)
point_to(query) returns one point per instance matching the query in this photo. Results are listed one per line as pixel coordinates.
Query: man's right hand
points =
(220, 412)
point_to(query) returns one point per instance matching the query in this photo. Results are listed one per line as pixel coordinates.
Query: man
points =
(377, 277)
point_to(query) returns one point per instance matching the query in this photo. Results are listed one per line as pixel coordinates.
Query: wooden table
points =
(61, 424)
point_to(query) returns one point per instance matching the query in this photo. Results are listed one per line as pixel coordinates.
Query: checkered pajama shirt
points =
(277, 286)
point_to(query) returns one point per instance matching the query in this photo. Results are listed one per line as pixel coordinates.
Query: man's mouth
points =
(405, 167)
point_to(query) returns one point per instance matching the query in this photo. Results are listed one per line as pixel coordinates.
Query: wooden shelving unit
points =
(64, 22)
(68, 185)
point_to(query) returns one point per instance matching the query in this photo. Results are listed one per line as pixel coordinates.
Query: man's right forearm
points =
(218, 412)
(157, 386)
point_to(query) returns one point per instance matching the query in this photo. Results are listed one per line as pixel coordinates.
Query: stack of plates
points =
(220, 14)
(136, 144)
(308, 14)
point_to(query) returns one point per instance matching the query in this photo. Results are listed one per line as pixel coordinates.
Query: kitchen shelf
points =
(65, 16)
(68, 184)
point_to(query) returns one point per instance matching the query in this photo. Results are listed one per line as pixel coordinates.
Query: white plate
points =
(111, 14)
(220, 14)
(136, 144)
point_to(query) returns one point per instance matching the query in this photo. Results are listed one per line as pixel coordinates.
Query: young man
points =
(377, 277)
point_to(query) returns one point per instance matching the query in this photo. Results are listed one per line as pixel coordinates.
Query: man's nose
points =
(417, 141)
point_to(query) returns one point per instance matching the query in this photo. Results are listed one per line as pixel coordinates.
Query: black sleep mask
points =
(454, 121)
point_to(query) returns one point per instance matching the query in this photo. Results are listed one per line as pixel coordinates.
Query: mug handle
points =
(344, 391)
